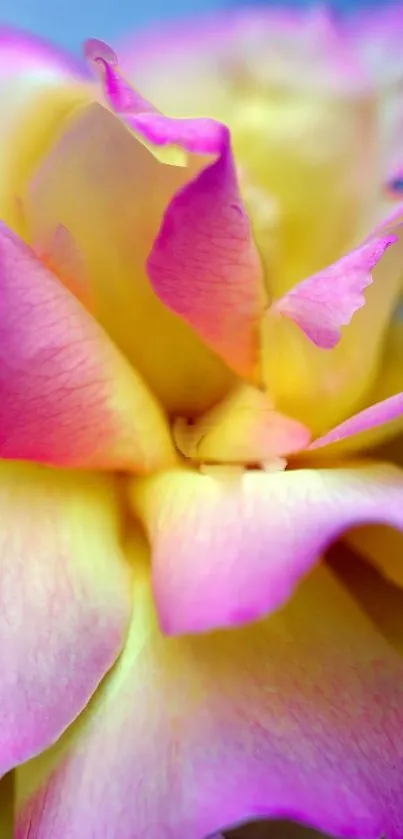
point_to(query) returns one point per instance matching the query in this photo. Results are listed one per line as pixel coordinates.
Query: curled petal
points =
(120, 95)
(204, 265)
(301, 714)
(65, 601)
(226, 549)
(67, 396)
(324, 303)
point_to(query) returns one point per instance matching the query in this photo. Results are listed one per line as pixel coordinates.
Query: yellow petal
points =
(110, 192)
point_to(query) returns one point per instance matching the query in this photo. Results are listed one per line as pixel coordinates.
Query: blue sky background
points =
(70, 21)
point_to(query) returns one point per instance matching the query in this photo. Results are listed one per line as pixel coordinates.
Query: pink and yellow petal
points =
(298, 374)
(382, 418)
(40, 85)
(229, 547)
(244, 428)
(303, 119)
(326, 302)
(65, 600)
(110, 192)
(204, 265)
(300, 715)
(67, 396)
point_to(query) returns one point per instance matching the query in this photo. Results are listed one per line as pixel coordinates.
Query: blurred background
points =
(70, 22)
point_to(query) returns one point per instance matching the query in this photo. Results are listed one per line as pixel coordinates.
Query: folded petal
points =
(244, 428)
(228, 548)
(300, 715)
(67, 396)
(109, 190)
(204, 265)
(65, 600)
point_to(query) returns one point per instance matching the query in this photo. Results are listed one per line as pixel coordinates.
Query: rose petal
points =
(324, 303)
(67, 397)
(300, 375)
(203, 265)
(39, 85)
(381, 417)
(297, 716)
(244, 428)
(65, 601)
(110, 192)
(59, 252)
(372, 417)
(227, 549)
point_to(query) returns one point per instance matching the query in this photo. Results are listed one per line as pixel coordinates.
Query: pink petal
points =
(324, 303)
(65, 601)
(67, 396)
(372, 417)
(204, 265)
(227, 549)
(299, 716)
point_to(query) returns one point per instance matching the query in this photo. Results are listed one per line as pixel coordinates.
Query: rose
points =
(161, 396)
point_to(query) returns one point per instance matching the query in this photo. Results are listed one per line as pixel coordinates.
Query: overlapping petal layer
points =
(110, 191)
(228, 548)
(203, 264)
(67, 396)
(303, 117)
(65, 600)
(297, 716)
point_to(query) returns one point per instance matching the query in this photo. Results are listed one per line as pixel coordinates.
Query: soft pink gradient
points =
(22, 52)
(65, 601)
(324, 303)
(298, 717)
(67, 397)
(228, 548)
